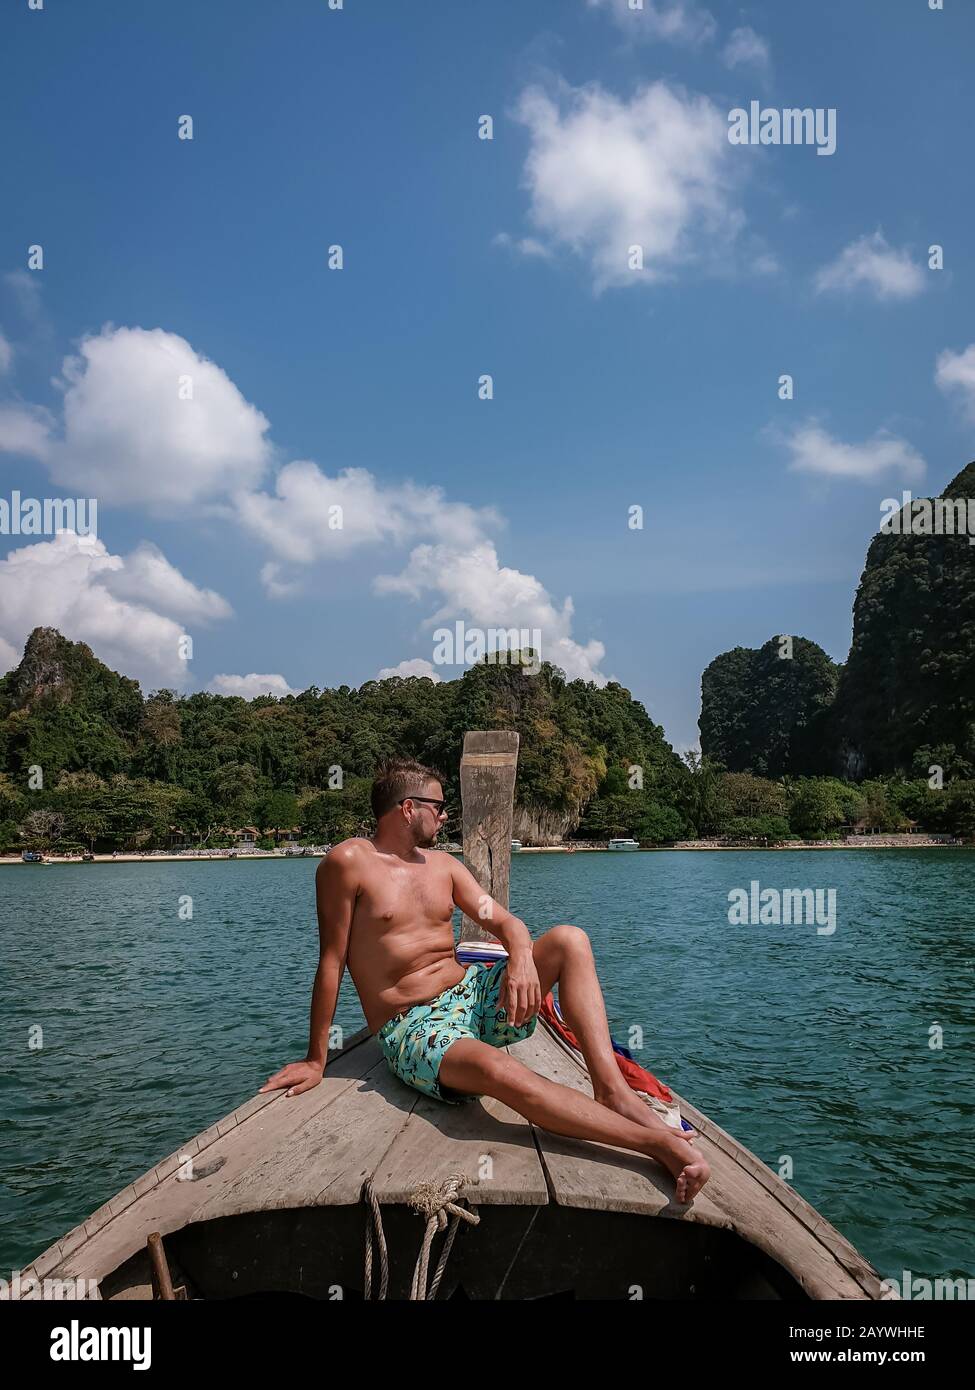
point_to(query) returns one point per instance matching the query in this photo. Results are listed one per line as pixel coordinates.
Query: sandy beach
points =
(851, 842)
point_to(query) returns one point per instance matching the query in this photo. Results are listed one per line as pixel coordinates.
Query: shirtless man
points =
(385, 909)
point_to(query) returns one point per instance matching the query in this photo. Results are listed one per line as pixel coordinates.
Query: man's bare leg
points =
(563, 955)
(478, 1069)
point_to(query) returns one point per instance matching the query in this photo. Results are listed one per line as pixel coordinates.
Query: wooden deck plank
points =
(327, 1162)
(597, 1176)
(484, 1140)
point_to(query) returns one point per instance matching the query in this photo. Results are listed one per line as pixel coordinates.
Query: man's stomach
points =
(383, 994)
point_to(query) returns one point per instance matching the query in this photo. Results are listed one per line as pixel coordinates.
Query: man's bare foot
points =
(626, 1102)
(691, 1179)
(689, 1169)
(669, 1146)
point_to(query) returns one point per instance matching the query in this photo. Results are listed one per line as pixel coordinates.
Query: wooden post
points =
(162, 1280)
(162, 1283)
(487, 791)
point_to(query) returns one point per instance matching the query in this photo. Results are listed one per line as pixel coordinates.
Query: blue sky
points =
(169, 261)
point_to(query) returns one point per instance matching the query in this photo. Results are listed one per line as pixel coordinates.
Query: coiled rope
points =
(441, 1205)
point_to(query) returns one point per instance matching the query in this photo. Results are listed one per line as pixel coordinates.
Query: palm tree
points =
(702, 799)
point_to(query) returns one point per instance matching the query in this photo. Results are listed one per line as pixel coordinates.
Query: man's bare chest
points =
(401, 897)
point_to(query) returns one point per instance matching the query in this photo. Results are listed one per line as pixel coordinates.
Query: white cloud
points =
(25, 429)
(9, 656)
(955, 371)
(744, 48)
(523, 246)
(274, 585)
(69, 583)
(606, 174)
(474, 586)
(869, 263)
(6, 353)
(313, 517)
(815, 451)
(677, 21)
(416, 666)
(25, 285)
(455, 559)
(249, 687)
(129, 438)
(147, 577)
(23, 291)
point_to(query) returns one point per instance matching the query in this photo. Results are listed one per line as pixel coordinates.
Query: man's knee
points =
(479, 1069)
(570, 938)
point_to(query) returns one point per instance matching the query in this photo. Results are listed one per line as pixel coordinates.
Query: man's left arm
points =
(521, 992)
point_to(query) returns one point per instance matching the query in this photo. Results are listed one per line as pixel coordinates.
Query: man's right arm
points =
(335, 893)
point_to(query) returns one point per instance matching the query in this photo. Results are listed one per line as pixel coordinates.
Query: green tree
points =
(744, 796)
(959, 813)
(657, 824)
(880, 809)
(88, 825)
(233, 788)
(338, 815)
(702, 797)
(9, 836)
(816, 809)
(278, 810)
(771, 828)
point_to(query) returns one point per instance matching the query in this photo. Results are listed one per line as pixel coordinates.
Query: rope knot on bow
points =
(440, 1204)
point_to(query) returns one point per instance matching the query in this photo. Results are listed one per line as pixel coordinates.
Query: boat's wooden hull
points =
(270, 1199)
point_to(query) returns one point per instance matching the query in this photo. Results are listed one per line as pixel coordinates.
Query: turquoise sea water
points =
(803, 1045)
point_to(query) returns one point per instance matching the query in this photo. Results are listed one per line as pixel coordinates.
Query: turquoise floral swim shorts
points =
(414, 1042)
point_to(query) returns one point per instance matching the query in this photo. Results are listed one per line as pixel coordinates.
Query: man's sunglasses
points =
(428, 799)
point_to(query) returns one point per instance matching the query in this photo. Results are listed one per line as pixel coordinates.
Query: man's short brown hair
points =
(396, 779)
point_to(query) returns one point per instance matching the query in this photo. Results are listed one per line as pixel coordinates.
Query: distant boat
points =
(30, 856)
(623, 844)
(516, 844)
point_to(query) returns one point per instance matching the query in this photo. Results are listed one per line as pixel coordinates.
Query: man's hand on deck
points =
(521, 992)
(297, 1076)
